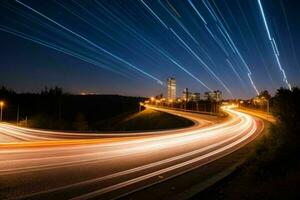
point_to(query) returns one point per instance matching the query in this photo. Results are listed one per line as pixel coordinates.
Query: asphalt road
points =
(37, 164)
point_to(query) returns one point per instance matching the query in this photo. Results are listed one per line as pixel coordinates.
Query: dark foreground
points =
(273, 169)
(114, 165)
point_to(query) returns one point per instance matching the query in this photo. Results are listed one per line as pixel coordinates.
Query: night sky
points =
(131, 47)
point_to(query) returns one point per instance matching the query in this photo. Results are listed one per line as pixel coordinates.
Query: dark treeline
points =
(279, 151)
(285, 135)
(265, 101)
(275, 166)
(286, 108)
(52, 108)
(273, 169)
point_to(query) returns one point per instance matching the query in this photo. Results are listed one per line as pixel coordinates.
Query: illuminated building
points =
(196, 97)
(171, 88)
(187, 96)
(213, 96)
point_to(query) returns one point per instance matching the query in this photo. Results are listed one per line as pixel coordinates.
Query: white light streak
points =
(227, 37)
(201, 62)
(198, 13)
(235, 72)
(60, 49)
(274, 46)
(153, 13)
(91, 43)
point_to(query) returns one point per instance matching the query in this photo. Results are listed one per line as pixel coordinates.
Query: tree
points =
(56, 91)
(4, 91)
(287, 107)
(264, 94)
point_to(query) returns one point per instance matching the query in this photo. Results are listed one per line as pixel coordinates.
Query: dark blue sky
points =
(130, 47)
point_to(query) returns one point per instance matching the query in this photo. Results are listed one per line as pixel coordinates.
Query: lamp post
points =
(1, 106)
(18, 114)
(268, 106)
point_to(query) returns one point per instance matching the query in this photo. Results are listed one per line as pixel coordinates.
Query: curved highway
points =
(37, 164)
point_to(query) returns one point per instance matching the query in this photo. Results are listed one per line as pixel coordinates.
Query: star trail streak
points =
(153, 13)
(274, 46)
(134, 46)
(92, 43)
(60, 49)
(201, 61)
(230, 43)
(172, 60)
(289, 33)
(195, 9)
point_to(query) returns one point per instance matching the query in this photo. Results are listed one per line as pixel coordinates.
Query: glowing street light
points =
(268, 104)
(263, 99)
(1, 107)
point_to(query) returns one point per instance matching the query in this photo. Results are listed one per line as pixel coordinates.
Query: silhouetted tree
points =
(265, 94)
(56, 91)
(4, 91)
(287, 107)
(53, 108)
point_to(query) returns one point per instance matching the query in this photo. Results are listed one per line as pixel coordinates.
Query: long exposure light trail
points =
(189, 49)
(217, 40)
(172, 60)
(75, 52)
(168, 153)
(290, 34)
(256, 43)
(196, 10)
(178, 22)
(61, 49)
(274, 46)
(236, 73)
(143, 39)
(92, 43)
(227, 37)
(153, 13)
(201, 62)
(129, 42)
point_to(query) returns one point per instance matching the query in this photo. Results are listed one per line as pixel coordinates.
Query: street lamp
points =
(267, 101)
(152, 99)
(1, 107)
(268, 104)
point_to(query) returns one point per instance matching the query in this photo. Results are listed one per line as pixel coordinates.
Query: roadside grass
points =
(147, 119)
(272, 170)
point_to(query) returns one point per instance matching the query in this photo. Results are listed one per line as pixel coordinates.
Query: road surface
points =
(263, 115)
(37, 164)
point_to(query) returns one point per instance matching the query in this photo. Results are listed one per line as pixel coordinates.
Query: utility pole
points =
(18, 114)
(268, 107)
(1, 106)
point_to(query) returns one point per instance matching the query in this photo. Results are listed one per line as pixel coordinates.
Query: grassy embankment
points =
(52, 108)
(273, 169)
(145, 120)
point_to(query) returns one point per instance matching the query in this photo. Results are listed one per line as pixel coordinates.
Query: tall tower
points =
(171, 88)
(187, 95)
